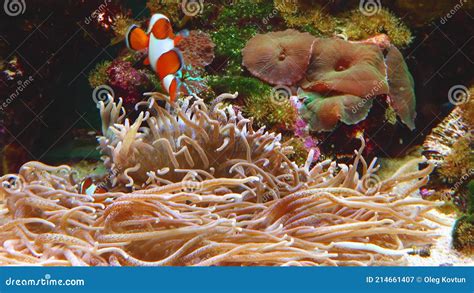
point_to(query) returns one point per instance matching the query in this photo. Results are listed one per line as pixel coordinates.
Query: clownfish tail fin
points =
(136, 38)
(173, 90)
(170, 85)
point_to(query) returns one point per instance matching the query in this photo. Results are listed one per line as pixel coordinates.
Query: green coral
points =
(245, 11)
(358, 26)
(230, 40)
(246, 86)
(463, 231)
(266, 111)
(98, 76)
(235, 25)
(300, 152)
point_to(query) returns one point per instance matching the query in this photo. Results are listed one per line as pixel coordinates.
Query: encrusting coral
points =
(197, 49)
(259, 209)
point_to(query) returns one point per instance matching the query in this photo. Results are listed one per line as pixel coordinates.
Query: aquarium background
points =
(55, 56)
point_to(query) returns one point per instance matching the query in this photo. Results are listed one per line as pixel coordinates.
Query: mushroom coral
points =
(279, 58)
(323, 113)
(344, 77)
(401, 84)
(344, 67)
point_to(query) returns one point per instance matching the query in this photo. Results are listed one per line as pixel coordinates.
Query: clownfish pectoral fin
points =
(100, 190)
(178, 39)
(146, 61)
(136, 38)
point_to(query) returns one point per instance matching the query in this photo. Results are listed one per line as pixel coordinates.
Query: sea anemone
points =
(279, 58)
(194, 141)
(310, 214)
(338, 218)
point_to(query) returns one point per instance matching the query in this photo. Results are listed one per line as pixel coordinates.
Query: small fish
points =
(163, 56)
(90, 188)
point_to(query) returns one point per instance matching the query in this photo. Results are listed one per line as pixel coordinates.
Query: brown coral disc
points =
(323, 113)
(279, 57)
(197, 49)
(402, 92)
(344, 67)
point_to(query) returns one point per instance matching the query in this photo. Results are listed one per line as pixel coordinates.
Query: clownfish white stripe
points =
(167, 81)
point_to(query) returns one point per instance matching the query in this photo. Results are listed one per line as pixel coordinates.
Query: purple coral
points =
(127, 82)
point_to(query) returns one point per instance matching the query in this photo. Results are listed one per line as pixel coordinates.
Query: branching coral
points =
(331, 215)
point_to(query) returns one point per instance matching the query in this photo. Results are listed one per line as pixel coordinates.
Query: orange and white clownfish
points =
(163, 56)
(88, 187)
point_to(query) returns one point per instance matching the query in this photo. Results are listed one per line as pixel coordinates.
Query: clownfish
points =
(88, 187)
(163, 56)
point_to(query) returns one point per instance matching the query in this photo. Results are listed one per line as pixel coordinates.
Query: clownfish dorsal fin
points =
(136, 38)
(146, 61)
